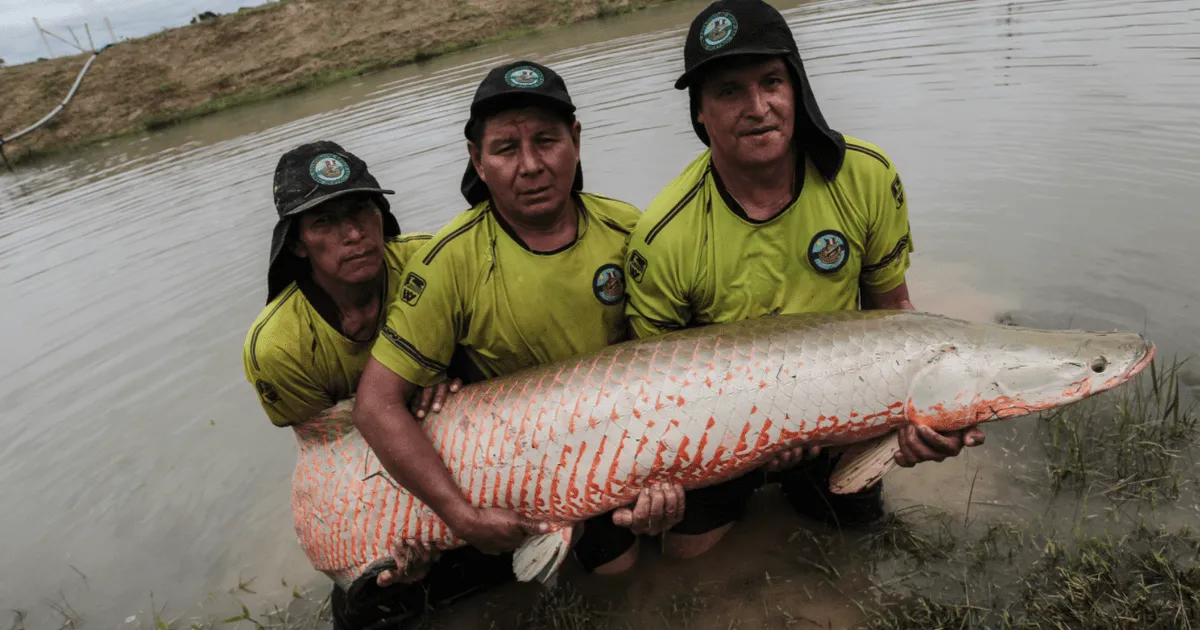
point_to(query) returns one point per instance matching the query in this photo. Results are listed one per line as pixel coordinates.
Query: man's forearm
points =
(895, 300)
(381, 414)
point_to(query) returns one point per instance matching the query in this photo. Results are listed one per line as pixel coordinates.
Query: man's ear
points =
(474, 153)
(576, 133)
(295, 245)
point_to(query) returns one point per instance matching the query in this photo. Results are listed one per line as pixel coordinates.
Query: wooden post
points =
(77, 44)
(91, 44)
(43, 34)
(111, 33)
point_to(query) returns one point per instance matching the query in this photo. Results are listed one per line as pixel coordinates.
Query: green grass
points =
(1125, 444)
(1147, 579)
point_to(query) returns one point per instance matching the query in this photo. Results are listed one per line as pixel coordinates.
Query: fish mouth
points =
(1148, 350)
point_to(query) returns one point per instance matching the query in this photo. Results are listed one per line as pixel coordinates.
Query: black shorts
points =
(457, 573)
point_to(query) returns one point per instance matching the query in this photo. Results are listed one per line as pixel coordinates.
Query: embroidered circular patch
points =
(609, 284)
(718, 30)
(329, 169)
(524, 77)
(828, 251)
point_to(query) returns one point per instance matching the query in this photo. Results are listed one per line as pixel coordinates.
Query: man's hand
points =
(922, 444)
(495, 531)
(415, 560)
(786, 459)
(432, 398)
(658, 509)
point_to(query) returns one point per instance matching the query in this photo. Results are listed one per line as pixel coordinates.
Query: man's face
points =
(342, 239)
(748, 108)
(528, 158)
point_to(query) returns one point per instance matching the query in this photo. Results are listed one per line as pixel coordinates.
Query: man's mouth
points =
(360, 256)
(534, 192)
(760, 131)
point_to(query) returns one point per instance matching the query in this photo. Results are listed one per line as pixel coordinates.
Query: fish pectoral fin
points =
(540, 556)
(864, 464)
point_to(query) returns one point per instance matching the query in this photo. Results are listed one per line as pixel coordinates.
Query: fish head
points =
(1009, 371)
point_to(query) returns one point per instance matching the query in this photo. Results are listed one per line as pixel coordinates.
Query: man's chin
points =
(355, 274)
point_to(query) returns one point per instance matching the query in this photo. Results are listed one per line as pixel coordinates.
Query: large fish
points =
(572, 439)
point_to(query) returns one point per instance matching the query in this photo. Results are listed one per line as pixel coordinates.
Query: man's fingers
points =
(386, 578)
(423, 401)
(533, 527)
(905, 456)
(672, 499)
(945, 445)
(455, 385)
(974, 436)
(658, 509)
(623, 517)
(439, 397)
(813, 452)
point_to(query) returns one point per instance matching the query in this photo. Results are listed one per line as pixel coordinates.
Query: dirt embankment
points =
(256, 54)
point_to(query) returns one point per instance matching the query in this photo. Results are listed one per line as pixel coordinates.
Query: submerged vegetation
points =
(1125, 444)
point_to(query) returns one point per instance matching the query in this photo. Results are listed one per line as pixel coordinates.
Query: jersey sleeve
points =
(889, 239)
(658, 294)
(286, 392)
(418, 340)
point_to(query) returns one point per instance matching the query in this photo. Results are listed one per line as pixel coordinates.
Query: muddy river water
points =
(1049, 150)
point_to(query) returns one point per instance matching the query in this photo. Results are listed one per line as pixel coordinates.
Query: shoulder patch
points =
(687, 198)
(267, 392)
(871, 152)
(637, 266)
(463, 229)
(414, 286)
(898, 191)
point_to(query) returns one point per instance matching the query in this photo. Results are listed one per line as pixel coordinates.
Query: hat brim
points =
(316, 201)
(686, 78)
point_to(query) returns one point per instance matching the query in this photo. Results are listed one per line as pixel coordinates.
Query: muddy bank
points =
(256, 54)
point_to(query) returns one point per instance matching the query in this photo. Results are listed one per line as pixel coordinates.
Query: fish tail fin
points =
(864, 464)
(540, 556)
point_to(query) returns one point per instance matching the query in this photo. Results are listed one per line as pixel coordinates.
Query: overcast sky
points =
(19, 40)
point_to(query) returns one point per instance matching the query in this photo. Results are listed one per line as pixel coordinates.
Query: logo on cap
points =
(524, 77)
(718, 30)
(329, 169)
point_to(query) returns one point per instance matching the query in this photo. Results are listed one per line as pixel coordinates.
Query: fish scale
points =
(576, 438)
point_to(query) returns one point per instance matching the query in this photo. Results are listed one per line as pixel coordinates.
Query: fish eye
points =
(1099, 364)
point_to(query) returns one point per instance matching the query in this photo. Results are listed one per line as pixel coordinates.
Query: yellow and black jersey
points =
(476, 291)
(695, 258)
(300, 362)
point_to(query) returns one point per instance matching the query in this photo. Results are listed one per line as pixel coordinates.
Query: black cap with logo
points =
(732, 28)
(306, 177)
(510, 86)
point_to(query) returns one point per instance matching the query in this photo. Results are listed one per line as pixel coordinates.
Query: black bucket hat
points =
(306, 177)
(732, 28)
(518, 84)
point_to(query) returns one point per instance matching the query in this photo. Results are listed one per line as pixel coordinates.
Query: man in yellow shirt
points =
(529, 274)
(336, 261)
(780, 215)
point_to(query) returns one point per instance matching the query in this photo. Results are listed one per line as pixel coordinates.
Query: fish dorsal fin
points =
(540, 556)
(864, 464)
